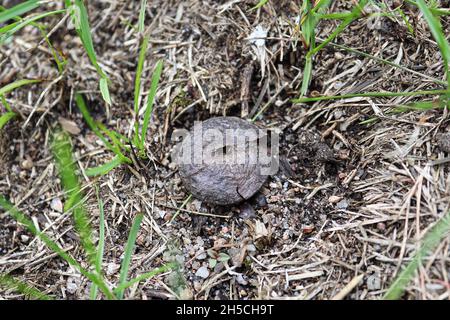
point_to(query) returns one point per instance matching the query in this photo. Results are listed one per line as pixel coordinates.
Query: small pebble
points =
(342, 205)
(112, 268)
(57, 205)
(246, 211)
(27, 164)
(71, 285)
(373, 282)
(334, 199)
(202, 272)
(201, 256)
(240, 279)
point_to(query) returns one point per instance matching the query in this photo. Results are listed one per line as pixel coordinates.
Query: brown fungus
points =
(218, 177)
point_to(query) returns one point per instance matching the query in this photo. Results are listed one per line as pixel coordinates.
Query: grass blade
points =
(150, 101)
(105, 168)
(17, 84)
(260, 4)
(100, 246)
(355, 14)
(438, 34)
(142, 11)
(62, 151)
(5, 118)
(8, 31)
(81, 21)
(128, 252)
(431, 241)
(145, 276)
(95, 127)
(18, 10)
(21, 218)
(22, 287)
(105, 90)
(80, 18)
(137, 84)
(5, 103)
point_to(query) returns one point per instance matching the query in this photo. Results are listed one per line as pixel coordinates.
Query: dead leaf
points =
(69, 126)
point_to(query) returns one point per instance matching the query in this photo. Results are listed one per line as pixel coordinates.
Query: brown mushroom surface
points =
(228, 182)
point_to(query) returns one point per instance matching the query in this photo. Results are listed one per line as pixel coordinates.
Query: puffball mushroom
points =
(218, 178)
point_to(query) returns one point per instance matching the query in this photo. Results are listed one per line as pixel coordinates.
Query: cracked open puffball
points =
(224, 160)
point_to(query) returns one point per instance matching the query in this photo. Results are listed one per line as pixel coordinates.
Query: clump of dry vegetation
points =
(357, 90)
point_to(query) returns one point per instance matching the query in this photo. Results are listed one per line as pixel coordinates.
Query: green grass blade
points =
(150, 101)
(18, 10)
(5, 103)
(115, 139)
(105, 168)
(5, 118)
(22, 287)
(438, 34)
(105, 90)
(100, 246)
(80, 18)
(142, 11)
(372, 95)
(431, 241)
(260, 4)
(81, 21)
(307, 74)
(137, 84)
(128, 252)
(88, 118)
(94, 127)
(17, 84)
(145, 276)
(355, 14)
(62, 152)
(59, 59)
(21, 218)
(8, 31)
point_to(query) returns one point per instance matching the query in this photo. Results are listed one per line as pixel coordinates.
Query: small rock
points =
(197, 286)
(202, 272)
(196, 265)
(342, 205)
(57, 205)
(273, 185)
(240, 279)
(112, 268)
(307, 229)
(201, 256)
(24, 238)
(71, 285)
(246, 211)
(27, 164)
(381, 226)
(373, 282)
(434, 286)
(200, 241)
(260, 230)
(334, 199)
